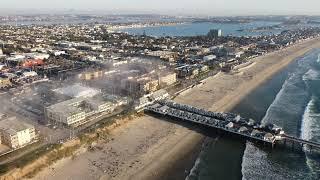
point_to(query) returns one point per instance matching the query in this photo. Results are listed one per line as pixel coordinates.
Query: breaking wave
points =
(310, 130)
(290, 104)
(311, 75)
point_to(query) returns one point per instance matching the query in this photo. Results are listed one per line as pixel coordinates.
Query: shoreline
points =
(131, 27)
(148, 147)
(229, 102)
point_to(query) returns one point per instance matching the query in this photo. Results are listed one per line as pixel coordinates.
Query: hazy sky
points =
(210, 7)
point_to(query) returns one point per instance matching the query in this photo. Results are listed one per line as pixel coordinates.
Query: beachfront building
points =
(139, 85)
(167, 79)
(67, 112)
(76, 112)
(151, 98)
(159, 95)
(15, 133)
(142, 102)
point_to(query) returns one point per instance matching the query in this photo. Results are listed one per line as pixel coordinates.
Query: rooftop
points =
(77, 90)
(12, 125)
(67, 107)
(75, 105)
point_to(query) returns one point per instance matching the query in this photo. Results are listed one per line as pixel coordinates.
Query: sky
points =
(172, 7)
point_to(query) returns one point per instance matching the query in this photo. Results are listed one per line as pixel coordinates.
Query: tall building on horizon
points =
(214, 33)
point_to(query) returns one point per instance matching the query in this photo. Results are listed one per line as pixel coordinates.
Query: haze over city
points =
(185, 7)
(159, 90)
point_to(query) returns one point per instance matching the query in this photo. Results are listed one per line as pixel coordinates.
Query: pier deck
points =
(226, 122)
(301, 141)
(222, 121)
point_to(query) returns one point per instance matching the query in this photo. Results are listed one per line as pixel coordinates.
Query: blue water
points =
(193, 29)
(290, 99)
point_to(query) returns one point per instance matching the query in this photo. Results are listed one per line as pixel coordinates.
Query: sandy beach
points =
(146, 147)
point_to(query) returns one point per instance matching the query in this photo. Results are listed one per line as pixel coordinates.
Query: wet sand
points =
(147, 147)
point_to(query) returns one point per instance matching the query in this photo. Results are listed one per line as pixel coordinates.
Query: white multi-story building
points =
(15, 133)
(75, 112)
(66, 112)
(151, 98)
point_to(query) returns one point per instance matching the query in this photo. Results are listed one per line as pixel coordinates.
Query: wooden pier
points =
(294, 140)
(228, 123)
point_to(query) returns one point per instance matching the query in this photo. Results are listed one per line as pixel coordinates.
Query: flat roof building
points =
(77, 90)
(75, 112)
(15, 133)
(66, 112)
(140, 85)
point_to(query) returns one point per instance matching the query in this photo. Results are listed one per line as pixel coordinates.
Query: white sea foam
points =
(255, 163)
(310, 128)
(194, 170)
(253, 157)
(307, 122)
(311, 75)
(277, 99)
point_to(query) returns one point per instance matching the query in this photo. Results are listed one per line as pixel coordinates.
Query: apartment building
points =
(15, 133)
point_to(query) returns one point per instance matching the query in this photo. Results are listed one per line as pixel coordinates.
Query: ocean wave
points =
(310, 130)
(252, 161)
(311, 75)
(292, 87)
(195, 170)
(306, 125)
(314, 166)
(289, 102)
(277, 99)
(255, 163)
(286, 110)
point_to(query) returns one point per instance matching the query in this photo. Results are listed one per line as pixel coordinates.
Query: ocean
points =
(290, 99)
